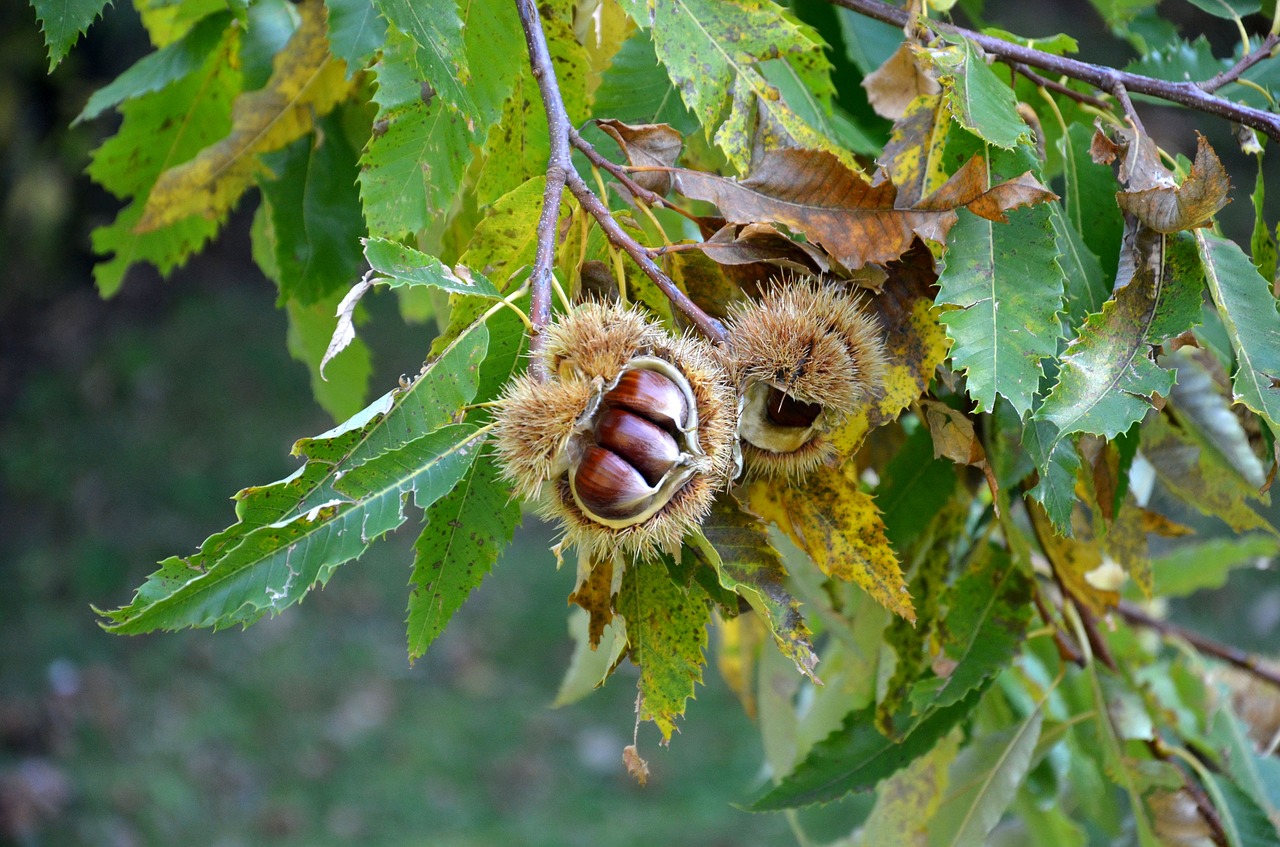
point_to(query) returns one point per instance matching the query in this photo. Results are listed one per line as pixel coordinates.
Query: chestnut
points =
(628, 441)
(805, 356)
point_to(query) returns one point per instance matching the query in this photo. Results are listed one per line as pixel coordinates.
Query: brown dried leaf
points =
(895, 84)
(637, 767)
(595, 595)
(1175, 208)
(954, 437)
(762, 243)
(855, 221)
(647, 146)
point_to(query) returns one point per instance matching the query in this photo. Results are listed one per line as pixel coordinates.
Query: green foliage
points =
(1056, 389)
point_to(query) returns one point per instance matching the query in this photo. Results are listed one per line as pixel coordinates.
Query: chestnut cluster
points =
(636, 430)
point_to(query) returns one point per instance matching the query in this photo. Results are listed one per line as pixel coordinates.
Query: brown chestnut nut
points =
(805, 357)
(628, 441)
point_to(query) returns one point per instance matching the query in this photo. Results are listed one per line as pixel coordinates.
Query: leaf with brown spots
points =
(595, 594)
(854, 220)
(667, 631)
(1173, 208)
(840, 527)
(893, 86)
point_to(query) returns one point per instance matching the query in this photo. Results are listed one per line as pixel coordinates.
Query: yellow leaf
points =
(595, 594)
(915, 344)
(1073, 559)
(913, 156)
(840, 528)
(306, 83)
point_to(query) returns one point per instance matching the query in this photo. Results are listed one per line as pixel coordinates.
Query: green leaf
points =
(1090, 200)
(293, 533)
(157, 70)
(1245, 823)
(424, 140)
(1196, 477)
(980, 102)
(913, 488)
(159, 130)
(857, 757)
(274, 566)
(867, 42)
(636, 90)
(737, 546)
(1262, 245)
(1108, 381)
(908, 800)
(667, 631)
(435, 27)
(1205, 413)
(356, 32)
(1230, 9)
(404, 266)
(988, 611)
(1087, 288)
(1180, 61)
(466, 531)
(315, 214)
(1248, 310)
(1059, 465)
(590, 665)
(341, 391)
(710, 49)
(1007, 282)
(984, 780)
(1189, 568)
(63, 22)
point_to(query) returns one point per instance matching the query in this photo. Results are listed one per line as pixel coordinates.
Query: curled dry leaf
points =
(895, 84)
(854, 220)
(1152, 194)
(954, 437)
(647, 146)
(636, 766)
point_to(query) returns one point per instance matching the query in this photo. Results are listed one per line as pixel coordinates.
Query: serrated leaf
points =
(306, 83)
(315, 214)
(356, 32)
(857, 757)
(1189, 568)
(710, 49)
(1108, 381)
(989, 608)
(984, 780)
(467, 529)
(667, 631)
(423, 142)
(405, 266)
(274, 566)
(160, 130)
(1179, 61)
(63, 22)
(1008, 285)
(980, 102)
(1171, 209)
(1059, 465)
(349, 491)
(1248, 310)
(840, 528)
(739, 550)
(157, 70)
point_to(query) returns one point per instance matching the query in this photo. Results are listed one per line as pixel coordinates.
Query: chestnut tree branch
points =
(561, 175)
(1231, 655)
(1265, 51)
(1190, 94)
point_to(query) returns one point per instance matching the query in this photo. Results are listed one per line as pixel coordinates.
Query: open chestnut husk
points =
(805, 357)
(629, 440)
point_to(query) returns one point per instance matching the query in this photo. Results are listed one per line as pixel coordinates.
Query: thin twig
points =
(620, 174)
(1188, 94)
(1248, 60)
(1231, 655)
(1067, 650)
(1096, 642)
(1122, 97)
(560, 175)
(559, 166)
(1203, 804)
(1054, 85)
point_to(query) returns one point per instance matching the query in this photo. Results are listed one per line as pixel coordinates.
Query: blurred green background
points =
(124, 427)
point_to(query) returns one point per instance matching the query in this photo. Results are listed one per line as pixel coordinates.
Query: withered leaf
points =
(762, 243)
(895, 84)
(646, 146)
(855, 221)
(595, 594)
(637, 767)
(954, 437)
(1174, 208)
